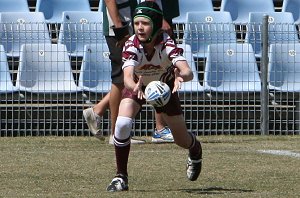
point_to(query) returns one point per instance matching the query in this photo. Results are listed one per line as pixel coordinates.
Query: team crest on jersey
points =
(150, 66)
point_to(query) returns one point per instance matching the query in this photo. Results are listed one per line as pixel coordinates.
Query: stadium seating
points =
(95, 73)
(100, 6)
(292, 6)
(80, 28)
(240, 9)
(284, 70)
(231, 67)
(281, 29)
(194, 85)
(18, 28)
(6, 85)
(45, 68)
(192, 6)
(53, 9)
(204, 28)
(14, 6)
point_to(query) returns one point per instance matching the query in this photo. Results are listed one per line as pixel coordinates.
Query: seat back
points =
(204, 28)
(231, 68)
(292, 6)
(281, 29)
(45, 68)
(193, 85)
(14, 6)
(80, 28)
(6, 84)
(284, 70)
(53, 9)
(240, 10)
(186, 6)
(95, 73)
(19, 28)
(100, 6)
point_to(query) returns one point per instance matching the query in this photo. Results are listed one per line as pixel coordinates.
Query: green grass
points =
(83, 167)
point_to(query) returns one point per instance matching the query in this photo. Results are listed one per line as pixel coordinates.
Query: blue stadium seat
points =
(231, 67)
(18, 28)
(284, 70)
(53, 9)
(292, 6)
(80, 28)
(95, 73)
(281, 29)
(14, 6)
(45, 68)
(204, 28)
(6, 85)
(100, 6)
(240, 9)
(186, 6)
(194, 85)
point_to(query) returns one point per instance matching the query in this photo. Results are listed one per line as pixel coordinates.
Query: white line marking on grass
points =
(281, 152)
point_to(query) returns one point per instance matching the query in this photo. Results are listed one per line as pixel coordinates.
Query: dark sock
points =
(122, 154)
(195, 150)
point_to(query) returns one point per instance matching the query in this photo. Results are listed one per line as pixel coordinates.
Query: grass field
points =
(233, 166)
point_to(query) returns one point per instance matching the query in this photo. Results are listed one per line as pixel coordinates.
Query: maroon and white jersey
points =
(159, 66)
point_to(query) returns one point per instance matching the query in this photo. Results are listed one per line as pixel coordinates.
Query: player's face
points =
(142, 28)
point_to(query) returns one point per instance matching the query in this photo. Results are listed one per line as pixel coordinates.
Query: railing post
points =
(264, 78)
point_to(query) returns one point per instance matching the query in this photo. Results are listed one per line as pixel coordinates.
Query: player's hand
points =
(138, 88)
(178, 80)
(121, 34)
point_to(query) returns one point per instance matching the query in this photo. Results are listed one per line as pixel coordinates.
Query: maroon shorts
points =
(172, 108)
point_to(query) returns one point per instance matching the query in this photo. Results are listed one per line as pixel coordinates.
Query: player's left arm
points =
(183, 73)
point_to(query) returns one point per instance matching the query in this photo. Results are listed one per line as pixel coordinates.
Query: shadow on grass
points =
(214, 190)
(206, 191)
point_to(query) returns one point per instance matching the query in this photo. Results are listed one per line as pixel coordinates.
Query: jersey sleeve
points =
(130, 55)
(174, 53)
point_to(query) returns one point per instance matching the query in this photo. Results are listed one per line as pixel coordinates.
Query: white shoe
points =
(163, 135)
(132, 141)
(93, 121)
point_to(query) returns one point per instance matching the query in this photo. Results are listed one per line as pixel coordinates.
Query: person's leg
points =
(188, 141)
(179, 130)
(162, 132)
(173, 116)
(127, 111)
(160, 123)
(102, 105)
(114, 102)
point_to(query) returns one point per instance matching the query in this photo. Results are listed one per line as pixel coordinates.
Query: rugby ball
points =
(157, 93)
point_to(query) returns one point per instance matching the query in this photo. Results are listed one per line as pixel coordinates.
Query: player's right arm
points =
(129, 82)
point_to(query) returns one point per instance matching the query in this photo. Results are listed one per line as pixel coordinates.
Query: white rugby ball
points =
(157, 93)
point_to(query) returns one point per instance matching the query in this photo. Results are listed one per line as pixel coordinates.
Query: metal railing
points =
(207, 111)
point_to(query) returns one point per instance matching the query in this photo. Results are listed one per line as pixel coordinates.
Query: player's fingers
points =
(177, 86)
(174, 90)
(140, 80)
(140, 95)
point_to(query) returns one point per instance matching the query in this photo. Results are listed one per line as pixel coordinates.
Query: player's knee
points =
(123, 127)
